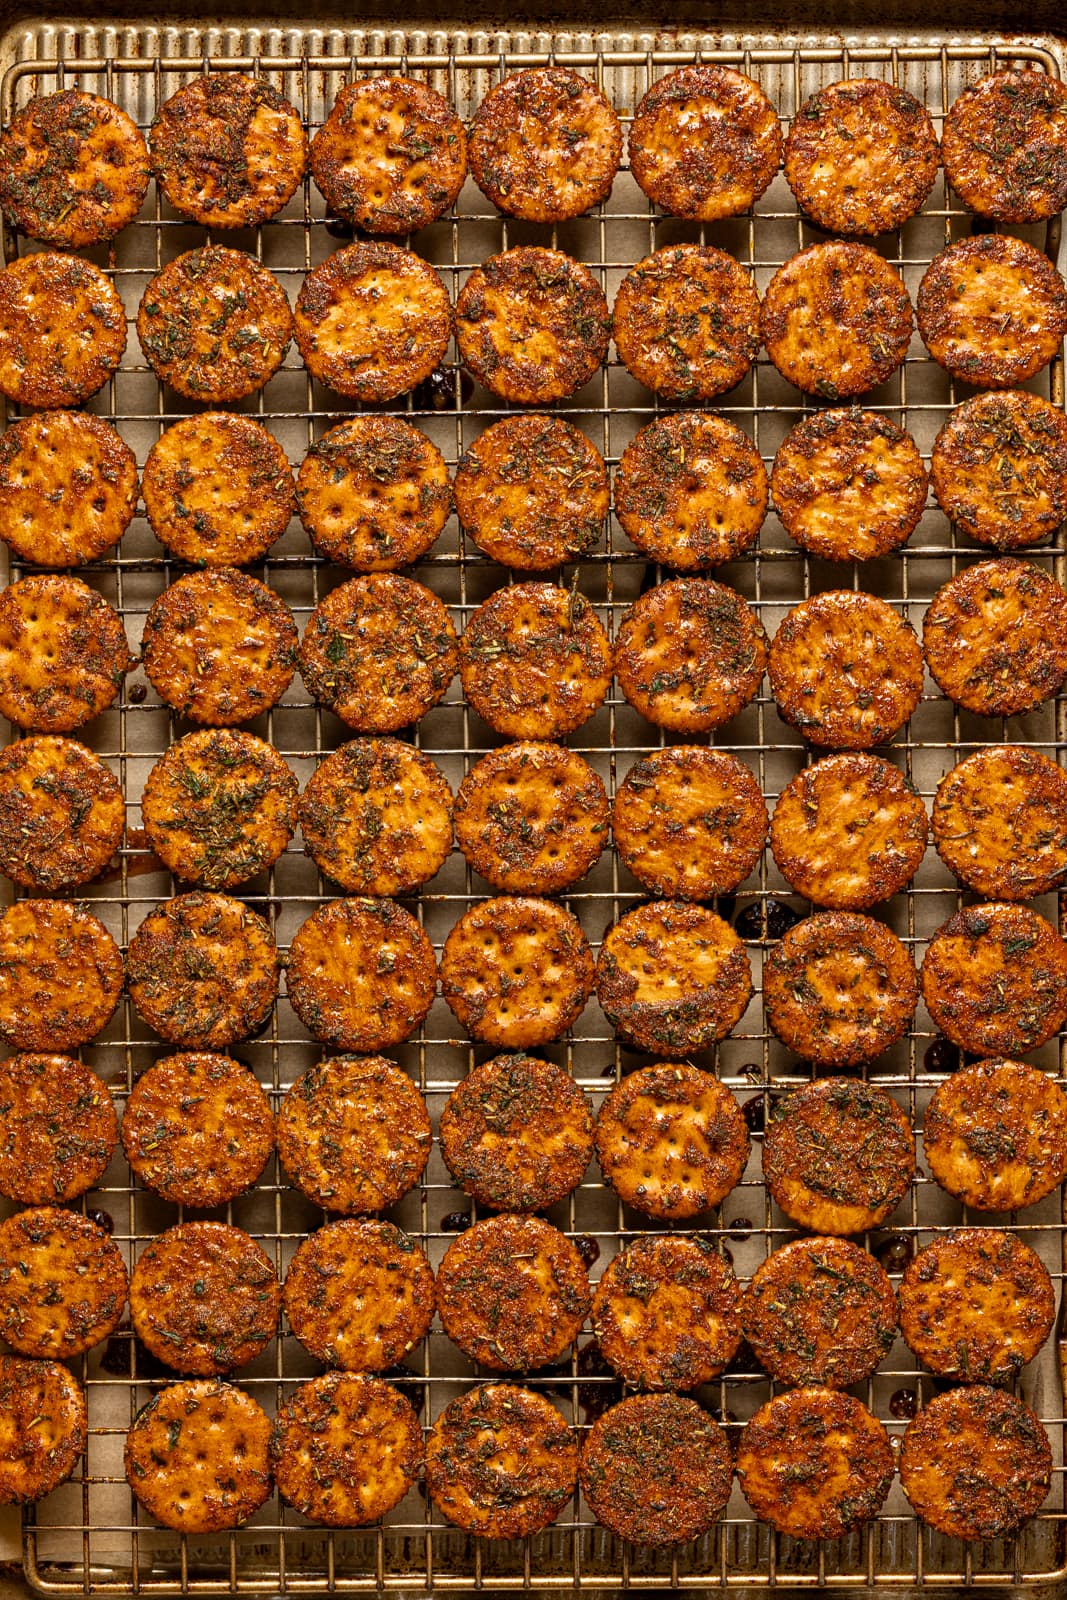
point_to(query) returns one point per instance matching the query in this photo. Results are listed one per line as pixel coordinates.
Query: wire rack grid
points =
(90, 1537)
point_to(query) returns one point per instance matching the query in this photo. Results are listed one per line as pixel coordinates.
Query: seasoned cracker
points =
(376, 817)
(58, 1129)
(531, 818)
(671, 1141)
(62, 1283)
(516, 971)
(391, 156)
(68, 488)
(361, 974)
(532, 325)
(373, 493)
(359, 1295)
(535, 661)
(353, 1134)
(62, 813)
(202, 970)
(512, 1293)
(218, 490)
(517, 1134)
(501, 1462)
(690, 654)
(214, 324)
(227, 150)
(380, 651)
(672, 977)
(219, 646)
(60, 975)
(73, 169)
(705, 142)
(197, 1129)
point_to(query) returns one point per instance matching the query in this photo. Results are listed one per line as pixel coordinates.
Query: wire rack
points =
(90, 1536)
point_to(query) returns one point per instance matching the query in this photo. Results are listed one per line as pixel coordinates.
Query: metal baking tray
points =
(90, 1537)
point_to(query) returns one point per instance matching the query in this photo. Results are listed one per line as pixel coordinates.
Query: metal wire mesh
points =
(90, 1537)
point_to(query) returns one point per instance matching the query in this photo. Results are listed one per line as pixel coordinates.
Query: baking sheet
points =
(89, 1534)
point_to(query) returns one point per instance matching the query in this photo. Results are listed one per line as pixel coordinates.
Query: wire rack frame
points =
(90, 1537)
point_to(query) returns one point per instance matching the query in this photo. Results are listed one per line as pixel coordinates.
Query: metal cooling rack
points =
(90, 1536)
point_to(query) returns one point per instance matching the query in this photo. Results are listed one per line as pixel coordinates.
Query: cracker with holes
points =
(43, 1428)
(846, 669)
(501, 1462)
(345, 1449)
(531, 818)
(380, 651)
(690, 654)
(976, 1463)
(62, 1283)
(516, 971)
(517, 1134)
(372, 321)
(219, 646)
(204, 1298)
(656, 1469)
(999, 469)
(994, 979)
(532, 492)
(836, 319)
(992, 310)
(1000, 822)
(202, 970)
(691, 491)
(359, 1295)
(62, 330)
(227, 150)
(1005, 146)
(62, 813)
(667, 1312)
(376, 817)
(197, 1456)
(391, 156)
(838, 1155)
(861, 156)
(995, 1135)
(995, 637)
(58, 1129)
(353, 1134)
(60, 975)
(704, 142)
(373, 493)
(820, 1311)
(671, 1141)
(849, 485)
(68, 488)
(214, 324)
(686, 322)
(839, 989)
(63, 653)
(361, 974)
(545, 145)
(197, 1128)
(218, 490)
(73, 169)
(532, 325)
(815, 1463)
(976, 1305)
(849, 831)
(689, 822)
(219, 806)
(512, 1293)
(535, 661)
(672, 977)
